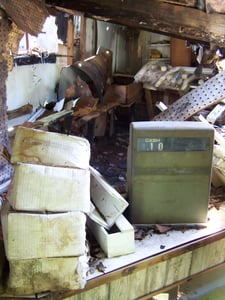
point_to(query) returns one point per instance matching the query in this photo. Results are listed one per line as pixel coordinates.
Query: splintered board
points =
(209, 93)
(50, 148)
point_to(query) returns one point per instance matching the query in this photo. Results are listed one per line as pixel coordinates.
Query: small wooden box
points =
(45, 188)
(50, 148)
(128, 90)
(119, 240)
(34, 235)
(31, 276)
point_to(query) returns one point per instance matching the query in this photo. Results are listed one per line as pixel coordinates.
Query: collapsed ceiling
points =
(194, 20)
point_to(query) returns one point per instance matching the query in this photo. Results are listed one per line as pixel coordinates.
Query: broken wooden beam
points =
(155, 16)
(23, 110)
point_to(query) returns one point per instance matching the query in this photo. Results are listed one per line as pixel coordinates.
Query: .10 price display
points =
(169, 144)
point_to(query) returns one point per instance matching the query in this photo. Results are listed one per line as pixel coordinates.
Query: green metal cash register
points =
(169, 171)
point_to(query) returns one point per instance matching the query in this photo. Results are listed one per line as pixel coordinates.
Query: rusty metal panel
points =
(98, 69)
(94, 71)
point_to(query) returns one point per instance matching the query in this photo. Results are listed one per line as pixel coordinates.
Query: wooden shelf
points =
(159, 45)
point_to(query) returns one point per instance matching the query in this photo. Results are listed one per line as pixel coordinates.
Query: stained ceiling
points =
(199, 20)
(194, 20)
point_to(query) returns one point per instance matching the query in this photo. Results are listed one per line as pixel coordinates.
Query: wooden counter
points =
(160, 262)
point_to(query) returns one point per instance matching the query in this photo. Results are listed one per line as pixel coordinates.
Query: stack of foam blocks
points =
(44, 217)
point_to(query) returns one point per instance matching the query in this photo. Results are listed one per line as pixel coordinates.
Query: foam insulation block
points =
(50, 148)
(31, 276)
(45, 188)
(33, 235)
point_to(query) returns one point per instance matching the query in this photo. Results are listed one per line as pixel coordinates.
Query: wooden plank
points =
(155, 278)
(70, 41)
(213, 254)
(100, 124)
(23, 110)
(191, 3)
(120, 288)
(42, 296)
(149, 104)
(45, 121)
(100, 293)
(177, 268)
(83, 36)
(137, 283)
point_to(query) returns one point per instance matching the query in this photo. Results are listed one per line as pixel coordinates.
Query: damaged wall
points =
(27, 16)
(33, 84)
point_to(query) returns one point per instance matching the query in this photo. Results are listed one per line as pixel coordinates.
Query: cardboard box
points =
(32, 235)
(119, 240)
(50, 148)
(45, 188)
(31, 276)
(105, 198)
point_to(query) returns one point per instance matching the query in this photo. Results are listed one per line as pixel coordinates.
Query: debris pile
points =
(165, 77)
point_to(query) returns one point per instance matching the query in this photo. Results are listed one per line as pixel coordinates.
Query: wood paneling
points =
(159, 273)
